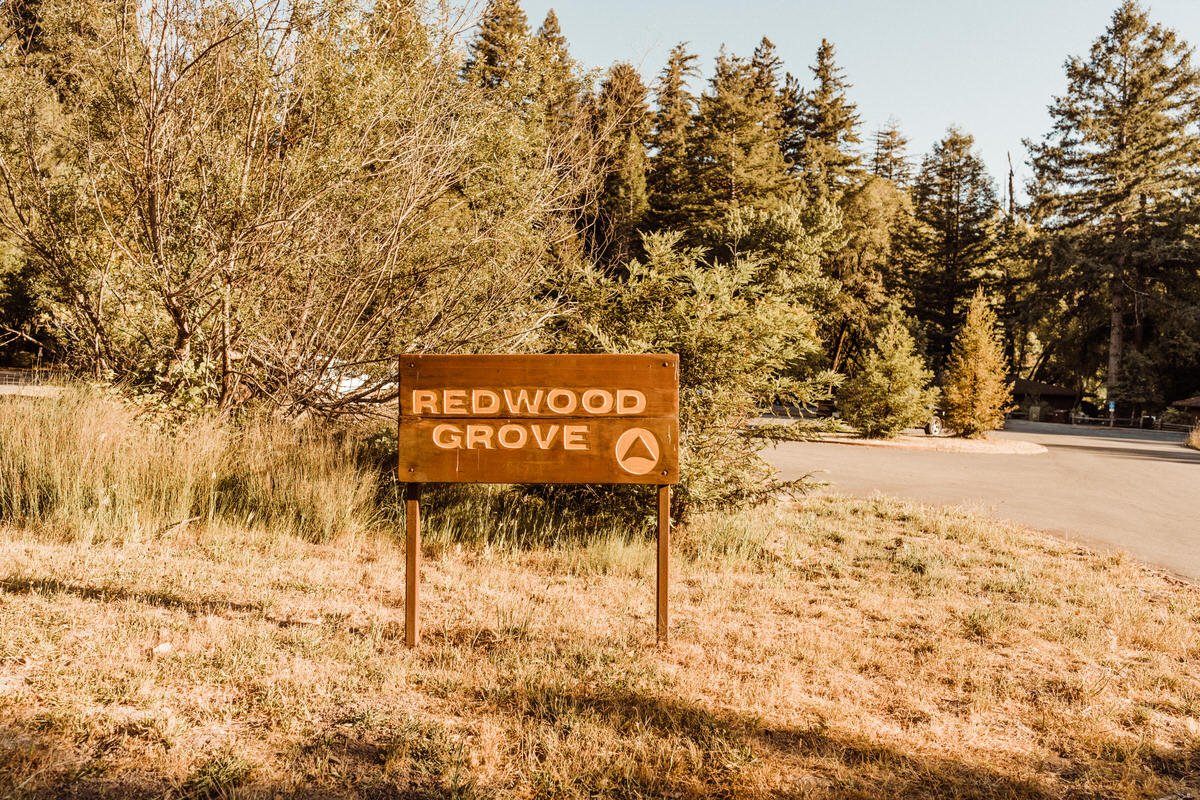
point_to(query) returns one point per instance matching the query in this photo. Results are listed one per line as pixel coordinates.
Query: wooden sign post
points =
(537, 419)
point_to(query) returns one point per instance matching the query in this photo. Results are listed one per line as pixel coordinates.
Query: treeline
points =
(226, 203)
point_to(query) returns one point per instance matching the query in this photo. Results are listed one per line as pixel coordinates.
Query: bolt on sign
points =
(538, 419)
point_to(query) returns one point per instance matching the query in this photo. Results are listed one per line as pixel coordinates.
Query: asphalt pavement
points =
(1130, 489)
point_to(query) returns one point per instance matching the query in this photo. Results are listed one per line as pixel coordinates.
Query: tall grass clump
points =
(92, 465)
(1194, 438)
(299, 478)
(85, 462)
(510, 518)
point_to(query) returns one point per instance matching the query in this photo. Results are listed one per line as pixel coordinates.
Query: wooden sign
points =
(539, 419)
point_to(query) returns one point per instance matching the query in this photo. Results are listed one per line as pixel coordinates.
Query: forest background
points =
(223, 206)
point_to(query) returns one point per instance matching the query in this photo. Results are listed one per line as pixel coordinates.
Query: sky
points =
(988, 66)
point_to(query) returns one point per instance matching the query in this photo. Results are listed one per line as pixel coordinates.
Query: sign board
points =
(539, 419)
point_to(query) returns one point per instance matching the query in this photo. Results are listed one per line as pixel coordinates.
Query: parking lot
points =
(1130, 489)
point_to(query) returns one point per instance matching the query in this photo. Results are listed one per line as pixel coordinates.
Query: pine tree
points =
(975, 391)
(890, 390)
(871, 213)
(890, 159)
(560, 87)
(1017, 295)
(621, 121)
(953, 243)
(1115, 179)
(497, 54)
(828, 131)
(668, 177)
(735, 158)
(764, 67)
(791, 118)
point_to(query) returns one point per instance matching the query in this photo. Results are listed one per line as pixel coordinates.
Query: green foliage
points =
(1113, 192)
(861, 264)
(890, 388)
(788, 243)
(740, 345)
(560, 89)
(890, 156)
(975, 391)
(953, 244)
(327, 191)
(496, 55)
(620, 125)
(668, 178)
(734, 158)
(827, 131)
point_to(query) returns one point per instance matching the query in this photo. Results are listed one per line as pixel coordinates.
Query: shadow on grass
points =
(826, 763)
(713, 754)
(805, 763)
(26, 585)
(35, 765)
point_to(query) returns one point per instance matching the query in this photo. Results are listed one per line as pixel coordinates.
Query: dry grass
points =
(1194, 438)
(91, 467)
(838, 649)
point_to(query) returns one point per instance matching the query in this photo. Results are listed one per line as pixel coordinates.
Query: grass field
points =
(837, 648)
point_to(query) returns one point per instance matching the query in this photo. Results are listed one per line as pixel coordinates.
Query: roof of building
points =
(1039, 389)
(1191, 402)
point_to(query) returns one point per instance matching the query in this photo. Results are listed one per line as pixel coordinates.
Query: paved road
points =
(1136, 490)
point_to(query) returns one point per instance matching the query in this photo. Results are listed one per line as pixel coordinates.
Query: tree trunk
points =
(837, 356)
(1116, 336)
(226, 397)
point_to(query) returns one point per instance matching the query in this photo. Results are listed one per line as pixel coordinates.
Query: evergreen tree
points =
(791, 117)
(975, 391)
(668, 178)
(890, 390)
(738, 341)
(1115, 180)
(735, 159)
(497, 54)
(1018, 297)
(828, 131)
(952, 246)
(621, 121)
(890, 158)
(862, 264)
(560, 87)
(764, 67)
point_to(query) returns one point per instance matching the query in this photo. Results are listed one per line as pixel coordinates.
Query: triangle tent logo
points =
(637, 451)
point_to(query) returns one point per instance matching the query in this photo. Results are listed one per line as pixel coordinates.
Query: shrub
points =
(890, 389)
(742, 340)
(1194, 438)
(976, 393)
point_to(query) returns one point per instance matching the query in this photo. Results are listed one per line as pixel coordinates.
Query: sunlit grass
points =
(838, 648)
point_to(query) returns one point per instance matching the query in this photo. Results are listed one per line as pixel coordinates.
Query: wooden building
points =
(1191, 407)
(1044, 402)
